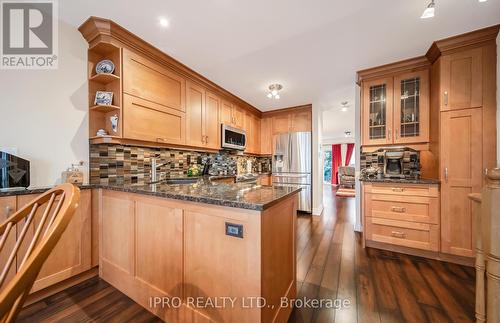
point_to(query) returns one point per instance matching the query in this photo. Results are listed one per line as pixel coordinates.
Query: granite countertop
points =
(33, 190)
(237, 195)
(423, 181)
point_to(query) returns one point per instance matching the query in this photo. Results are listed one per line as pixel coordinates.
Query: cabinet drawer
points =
(403, 233)
(141, 121)
(402, 189)
(406, 208)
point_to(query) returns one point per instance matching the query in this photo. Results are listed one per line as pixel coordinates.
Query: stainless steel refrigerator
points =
(292, 164)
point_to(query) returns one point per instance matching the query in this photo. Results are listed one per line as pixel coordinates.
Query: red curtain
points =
(336, 162)
(348, 155)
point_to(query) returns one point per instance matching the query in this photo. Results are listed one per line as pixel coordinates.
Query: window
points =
(327, 166)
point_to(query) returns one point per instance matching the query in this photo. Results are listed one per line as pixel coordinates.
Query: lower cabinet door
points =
(141, 121)
(461, 174)
(72, 254)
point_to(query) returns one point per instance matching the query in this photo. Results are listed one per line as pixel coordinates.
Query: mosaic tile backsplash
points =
(118, 164)
(411, 161)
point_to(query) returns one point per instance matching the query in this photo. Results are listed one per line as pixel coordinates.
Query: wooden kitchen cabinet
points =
(148, 121)
(202, 117)
(281, 123)
(195, 115)
(252, 128)
(212, 123)
(462, 80)
(266, 136)
(395, 109)
(411, 107)
(377, 107)
(461, 174)
(232, 115)
(152, 82)
(292, 120)
(7, 208)
(401, 215)
(72, 253)
(300, 121)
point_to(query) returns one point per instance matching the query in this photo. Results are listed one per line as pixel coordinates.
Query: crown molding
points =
(97, 30)
(451, 44)
(407, 65)
(305, 107)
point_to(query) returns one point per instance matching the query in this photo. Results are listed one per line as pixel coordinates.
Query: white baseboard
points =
(317, 210)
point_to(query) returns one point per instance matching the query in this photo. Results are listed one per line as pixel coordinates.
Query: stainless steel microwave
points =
(233, 138)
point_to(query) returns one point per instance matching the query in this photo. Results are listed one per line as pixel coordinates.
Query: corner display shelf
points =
(100, 115)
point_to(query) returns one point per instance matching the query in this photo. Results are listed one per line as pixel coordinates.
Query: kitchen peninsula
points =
(206, 241)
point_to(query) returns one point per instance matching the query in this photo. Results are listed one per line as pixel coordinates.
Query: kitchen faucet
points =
(154, 169)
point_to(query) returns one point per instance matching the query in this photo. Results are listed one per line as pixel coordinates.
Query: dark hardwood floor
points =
(380, 286)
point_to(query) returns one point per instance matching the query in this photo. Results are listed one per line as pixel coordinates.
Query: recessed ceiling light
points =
(483, 0)
(163, 22)
(429, 11)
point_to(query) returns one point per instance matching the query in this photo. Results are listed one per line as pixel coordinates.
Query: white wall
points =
(357, 131)
(317, 162)
(43, 113)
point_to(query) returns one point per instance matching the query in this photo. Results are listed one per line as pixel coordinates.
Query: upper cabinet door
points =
(149, 81)
(212, 124)
(281, 123)
(377, 112)
(300, 121)
(238, 117)
(147, 121)
(250, 147)
(462, 80)
(266, 136)
(195, 125)
(226, 113)
(411, 107)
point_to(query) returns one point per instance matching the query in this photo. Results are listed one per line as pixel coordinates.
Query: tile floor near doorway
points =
(380, 286)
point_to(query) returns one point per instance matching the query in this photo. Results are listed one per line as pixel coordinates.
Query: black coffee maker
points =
(393, 163)
(14, 171)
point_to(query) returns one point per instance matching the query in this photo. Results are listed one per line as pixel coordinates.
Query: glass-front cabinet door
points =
(411, 107)
(377, 112)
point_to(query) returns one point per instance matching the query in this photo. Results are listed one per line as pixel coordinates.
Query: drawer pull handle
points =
(398, 209)
(398, 189)
(398, 234)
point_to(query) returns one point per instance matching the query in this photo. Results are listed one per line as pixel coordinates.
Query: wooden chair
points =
(53, 222)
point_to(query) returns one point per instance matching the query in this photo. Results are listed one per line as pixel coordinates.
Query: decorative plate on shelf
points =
(105, 67)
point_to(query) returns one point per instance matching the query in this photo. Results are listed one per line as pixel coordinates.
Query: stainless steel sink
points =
(185, 181)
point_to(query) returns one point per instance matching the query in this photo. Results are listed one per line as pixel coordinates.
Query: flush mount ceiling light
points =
(429, 11)
(483, 0)
(274, 91)
(344, 106)
(163, 22)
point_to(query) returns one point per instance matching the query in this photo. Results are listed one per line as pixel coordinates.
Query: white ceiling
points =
(313, 48)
